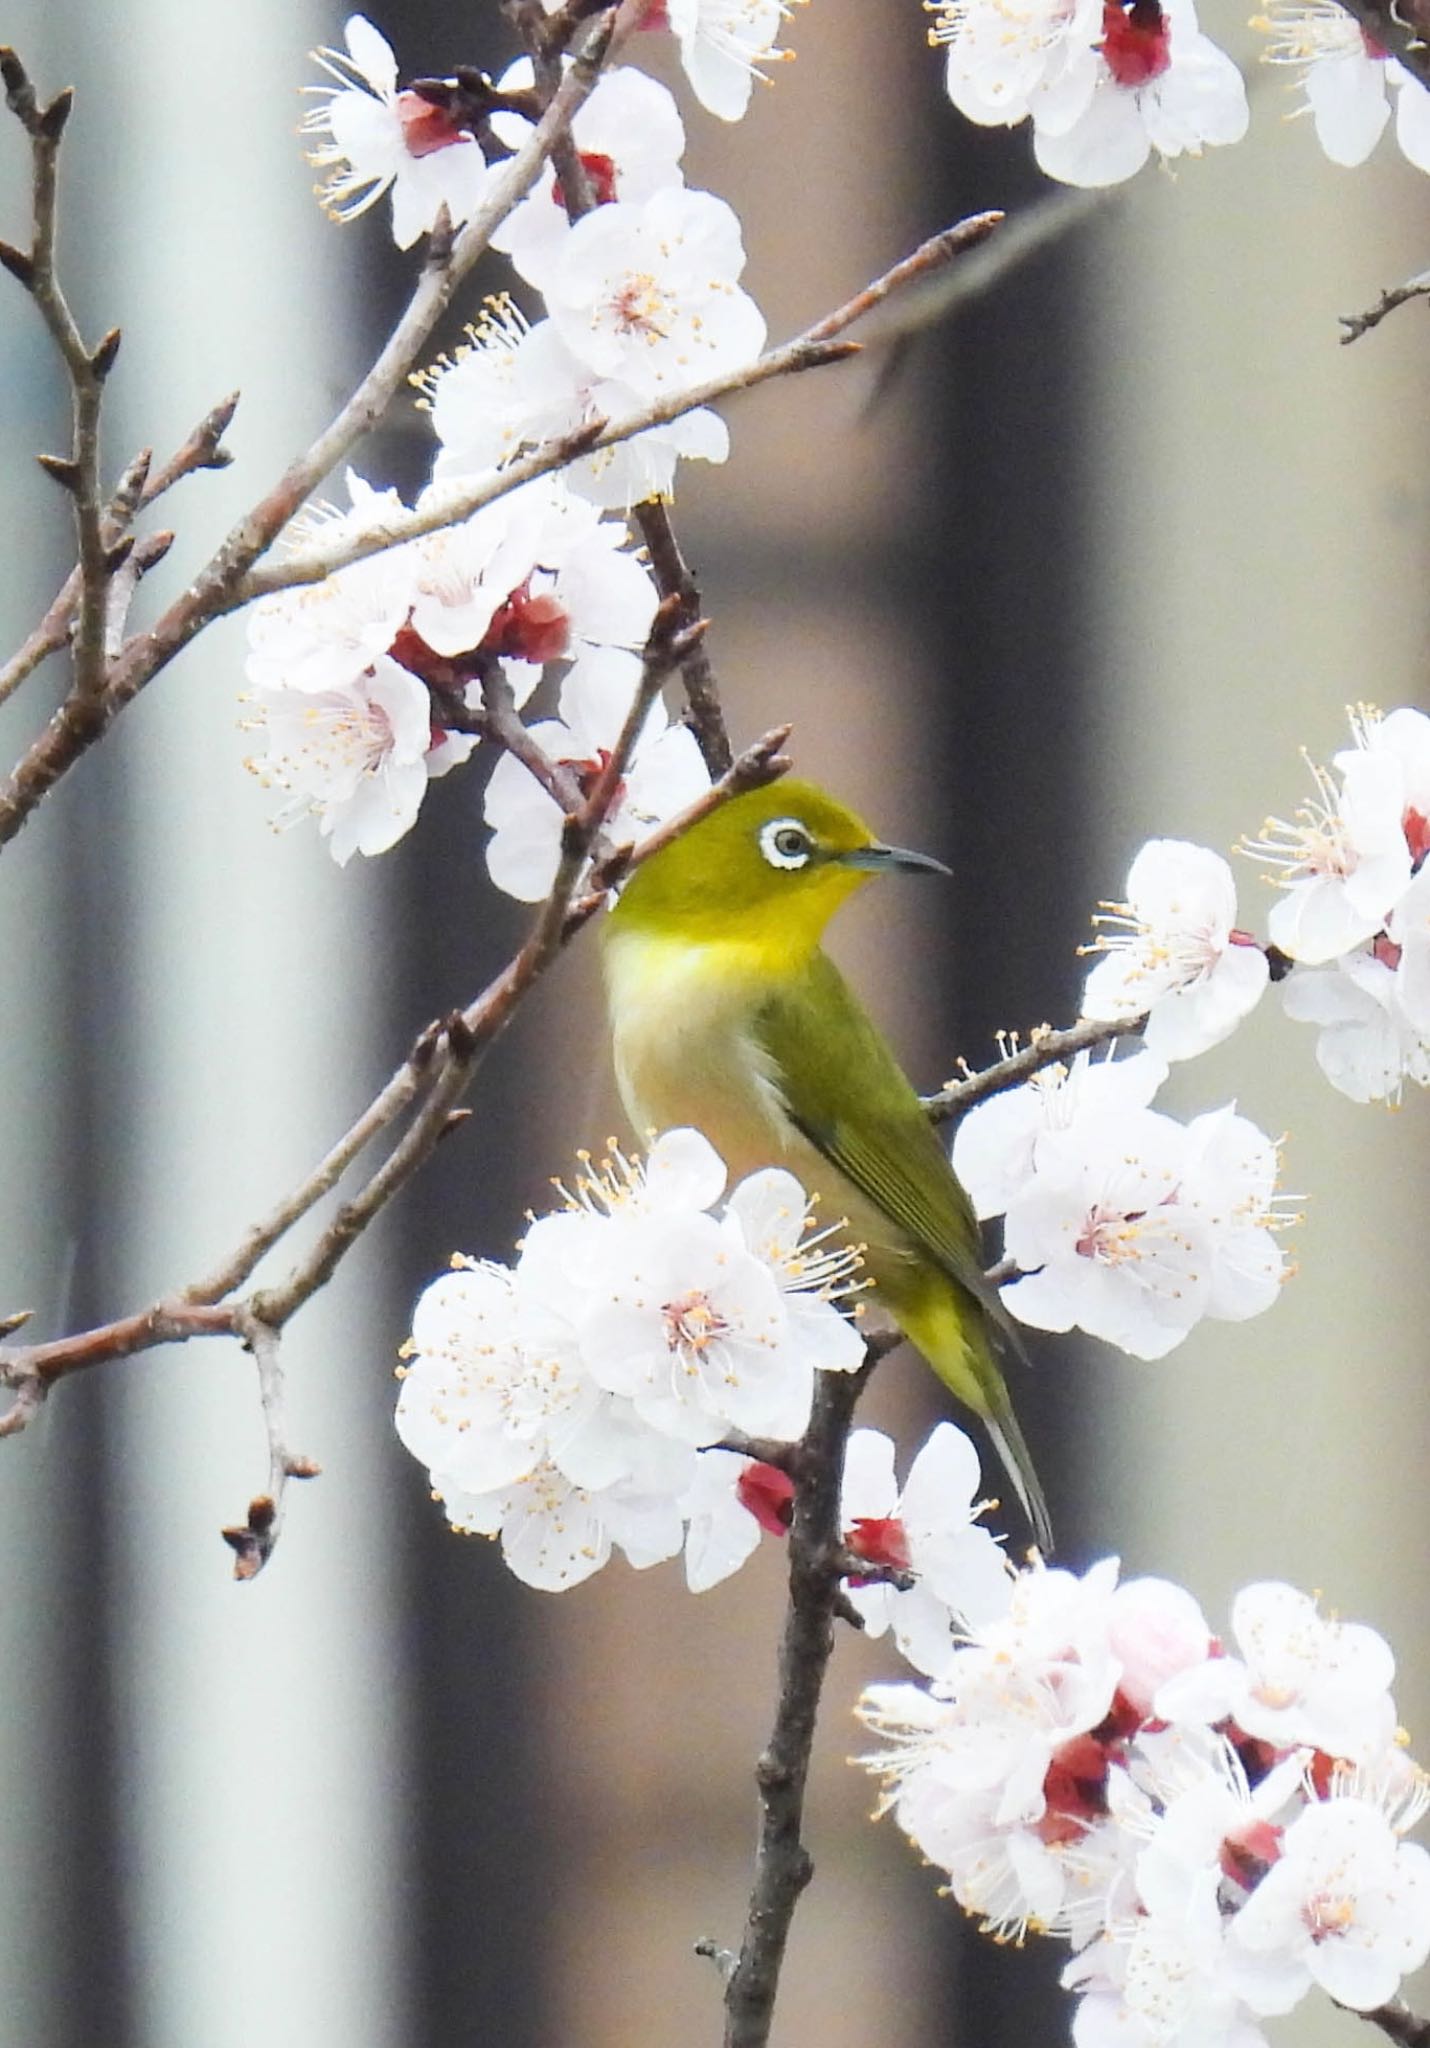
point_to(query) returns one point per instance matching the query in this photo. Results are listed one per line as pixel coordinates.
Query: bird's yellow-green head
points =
(768, 869)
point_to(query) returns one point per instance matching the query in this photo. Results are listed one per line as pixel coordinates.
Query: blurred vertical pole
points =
(243, 1743)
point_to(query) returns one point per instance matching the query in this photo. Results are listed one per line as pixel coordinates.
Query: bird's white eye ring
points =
(785, 843)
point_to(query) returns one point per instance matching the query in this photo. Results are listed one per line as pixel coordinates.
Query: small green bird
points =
(726, 1015)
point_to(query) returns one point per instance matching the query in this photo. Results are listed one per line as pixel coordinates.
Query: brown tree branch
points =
(1045, 1048)
(783, 1866)
(1399, 2022)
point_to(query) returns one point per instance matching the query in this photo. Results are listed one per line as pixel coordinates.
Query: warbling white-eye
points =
(727, 1015)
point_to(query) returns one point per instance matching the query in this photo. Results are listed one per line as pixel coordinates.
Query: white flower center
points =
(1303, 30)
(693, 1323)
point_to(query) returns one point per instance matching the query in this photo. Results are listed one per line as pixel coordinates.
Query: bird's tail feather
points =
(1009, 1442)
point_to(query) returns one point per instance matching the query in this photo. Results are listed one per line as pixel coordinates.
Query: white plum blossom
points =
(1173, 949)
(1346, 1905)
(1348, 856)
(322, 636)
(630, 139)
(996, 1144)
(696, 1329)
(1205, 1871)
(359, 756)
(929, 1529)
(723, 43)
(1368, 1045)
(1011, 58)
(1135, 1227)
(541, 1426)
(1300, 1679)
(555, 1534)
(533, 577)
(379, 139)
(647, 295)
(512, 386)
(1347, 80)
(1160, 84)
(664, 774)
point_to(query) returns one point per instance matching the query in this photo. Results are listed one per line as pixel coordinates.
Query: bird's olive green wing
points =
(846, 1093)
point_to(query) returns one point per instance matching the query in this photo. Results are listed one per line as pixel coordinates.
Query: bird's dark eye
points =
(785, 843)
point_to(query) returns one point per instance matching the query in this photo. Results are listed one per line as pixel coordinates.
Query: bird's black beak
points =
(881, 860)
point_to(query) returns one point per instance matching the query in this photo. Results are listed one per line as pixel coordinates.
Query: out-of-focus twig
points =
(1357, 324)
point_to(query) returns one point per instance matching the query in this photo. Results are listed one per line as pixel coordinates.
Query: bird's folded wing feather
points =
(846, 1093)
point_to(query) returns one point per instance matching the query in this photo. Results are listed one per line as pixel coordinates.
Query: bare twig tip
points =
(102, 361)
(65, 472)
(55, 115)
(20, 266)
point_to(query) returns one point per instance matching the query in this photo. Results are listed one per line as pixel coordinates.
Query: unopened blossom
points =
(1347, 856)
(1368, 1045)
(629, 137)
(1173, 949)
(929, 1529)
(1137, 1227)
(996, 1144)
(664, 774)
(1011, 58)
(648, 295)
(1347, 79)
(375, 138)
(1346, 1905)
(1161, 84)
(723, 44)
(360, 757)
(1300, 1678)
(512, 386)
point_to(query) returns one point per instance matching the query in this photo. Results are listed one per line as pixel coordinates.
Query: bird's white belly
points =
(683, 1051)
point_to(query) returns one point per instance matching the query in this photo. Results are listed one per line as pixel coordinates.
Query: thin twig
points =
(137, 489)
(253, 1539)
(78, 472)
(782, 1863)
(1045, 1048)
(1357, 324)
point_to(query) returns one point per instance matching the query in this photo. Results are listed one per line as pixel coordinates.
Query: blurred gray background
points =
(1103, 555)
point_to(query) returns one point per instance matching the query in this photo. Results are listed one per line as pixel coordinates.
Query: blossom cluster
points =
(1121, 1220)
(376, 679)
(1212, 1829)
(372, 682)
(1106, 82)
(1355, 914)
(571, 1402)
